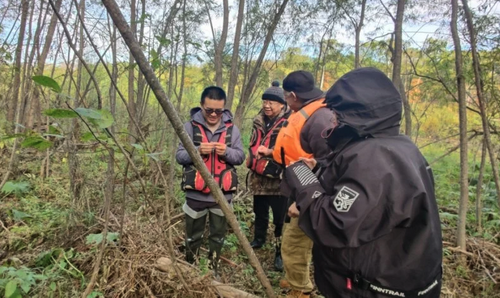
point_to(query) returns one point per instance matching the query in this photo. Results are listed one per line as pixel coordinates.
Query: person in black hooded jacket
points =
(370, 209)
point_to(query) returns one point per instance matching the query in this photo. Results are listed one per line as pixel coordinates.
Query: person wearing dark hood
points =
(299, 138)
(264, 172)
(371, 212)
(218, 142)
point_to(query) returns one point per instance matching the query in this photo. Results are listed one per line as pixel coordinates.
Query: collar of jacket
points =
(259, 119)
(322, 97)
(343, 135)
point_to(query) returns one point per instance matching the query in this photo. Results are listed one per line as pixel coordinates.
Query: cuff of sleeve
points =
(306, 186)
(306, 196)
(226, 154)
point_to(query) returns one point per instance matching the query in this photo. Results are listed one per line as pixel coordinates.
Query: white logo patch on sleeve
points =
(305, 175)
(344, 199)
(316, 195)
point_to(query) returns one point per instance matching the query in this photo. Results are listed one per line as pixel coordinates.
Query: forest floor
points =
(49, 245)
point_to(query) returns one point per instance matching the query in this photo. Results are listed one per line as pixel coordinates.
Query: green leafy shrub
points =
(16, 188)
(16, 282)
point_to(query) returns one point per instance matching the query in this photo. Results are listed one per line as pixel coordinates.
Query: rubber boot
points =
(257, 242)
(218, 227)
(194, 236)
(260, 233)
(278, 261)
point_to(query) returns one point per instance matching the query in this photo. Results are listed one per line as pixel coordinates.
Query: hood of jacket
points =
(367, 104)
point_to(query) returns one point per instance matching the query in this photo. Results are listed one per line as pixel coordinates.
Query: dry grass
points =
(471, 273)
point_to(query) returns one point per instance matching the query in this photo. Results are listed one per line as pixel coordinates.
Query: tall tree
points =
(221, 44)
(249, 85)
(233, 75)
(397, 54)
(462, 112)
(141, 83)
(480, 95)
(397, 59)
(16, 85)
(351, 10)
(41, 59)
(479, 186)
(131, 77)
(27, 65)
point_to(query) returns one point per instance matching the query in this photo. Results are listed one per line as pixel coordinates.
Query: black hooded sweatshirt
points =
(372, 212)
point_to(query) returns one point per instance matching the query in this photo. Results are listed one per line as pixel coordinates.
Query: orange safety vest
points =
(289, 136)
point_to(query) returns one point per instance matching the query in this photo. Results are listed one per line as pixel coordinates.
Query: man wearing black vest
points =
(218, 142)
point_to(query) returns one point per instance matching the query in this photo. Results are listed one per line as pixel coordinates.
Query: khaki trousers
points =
(296, 250)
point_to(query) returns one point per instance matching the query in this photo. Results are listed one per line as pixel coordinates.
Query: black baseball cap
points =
(301, 83)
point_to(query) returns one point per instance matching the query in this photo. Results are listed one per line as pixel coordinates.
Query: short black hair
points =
(213, 92)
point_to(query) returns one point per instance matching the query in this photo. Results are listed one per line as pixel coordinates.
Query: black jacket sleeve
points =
(357, 211)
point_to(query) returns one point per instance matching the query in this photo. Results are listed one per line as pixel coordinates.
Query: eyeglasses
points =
(267, 103)
(218, 112)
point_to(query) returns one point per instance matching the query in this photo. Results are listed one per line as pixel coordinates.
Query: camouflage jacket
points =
(262, 185)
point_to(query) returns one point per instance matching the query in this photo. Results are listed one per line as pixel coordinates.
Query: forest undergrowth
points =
(49, 243)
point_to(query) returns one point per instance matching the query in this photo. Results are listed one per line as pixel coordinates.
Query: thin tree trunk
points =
(323, 63)
(481, 100)
(171, 172)
(168, 23)
(41, 62)
(247, 92)
(74, 173)
(219, 47)
(359, 26)
(396, 67)
(26, 77)
(79, 55)
(12, 108)
(45, 167)
(34, 105)
(184, 56)
(114, 73)
(318, 61)
(234, 72)
(479, 187)
(140, 78)
(171, 65)
(6, 10)
(169, 110)
(131, 77)
(110, 173)
(81, 45)
(462, 112)
(322, 79)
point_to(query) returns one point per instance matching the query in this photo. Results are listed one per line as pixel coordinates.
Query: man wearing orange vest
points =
(300, 138)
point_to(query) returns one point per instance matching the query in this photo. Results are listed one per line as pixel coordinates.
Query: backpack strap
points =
(229, 133)
(198, 134)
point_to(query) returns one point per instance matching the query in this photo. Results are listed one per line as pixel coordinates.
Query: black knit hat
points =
(274, 93)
